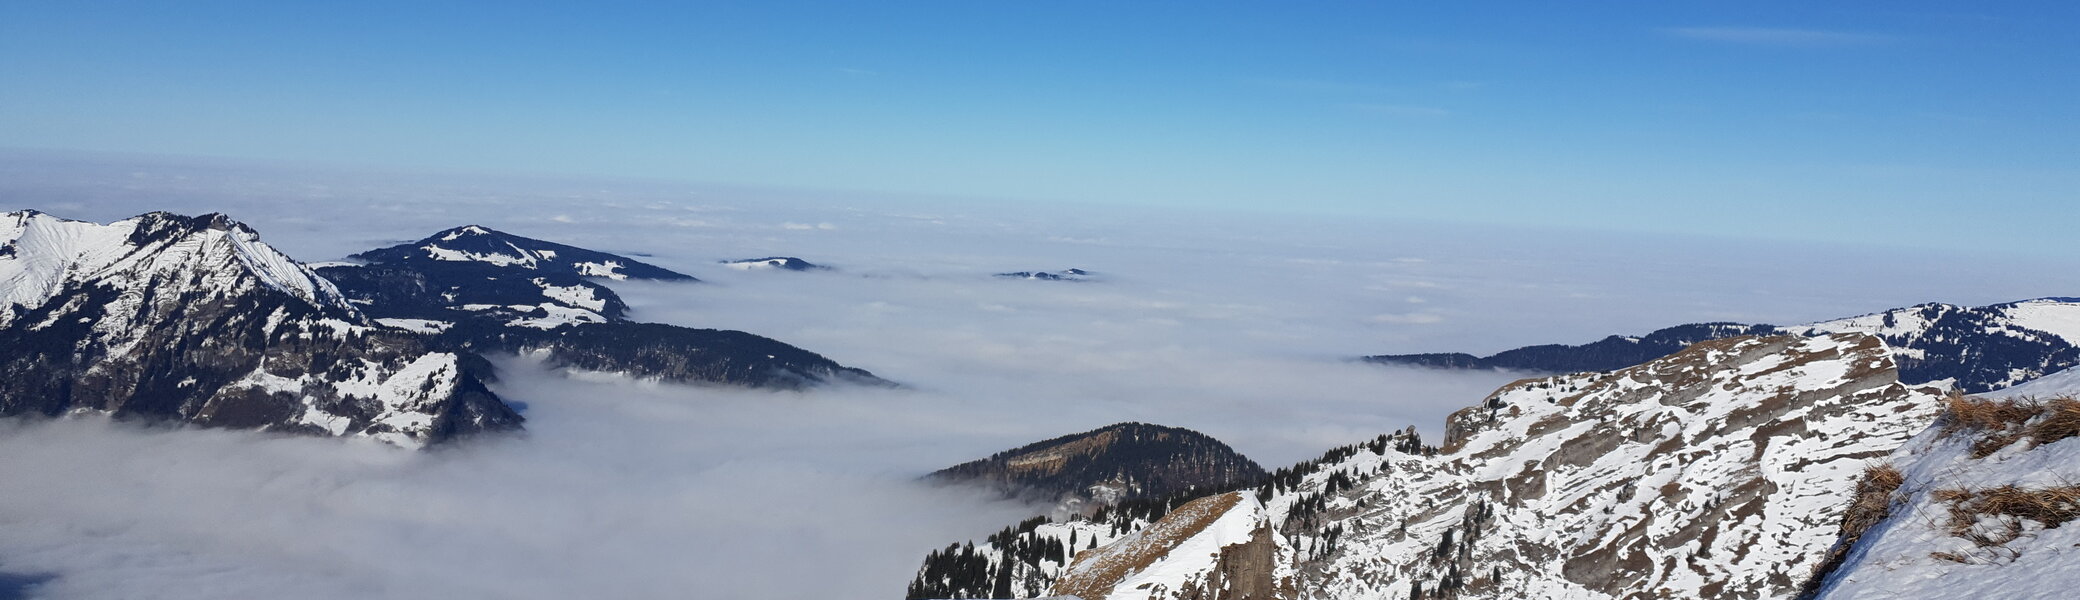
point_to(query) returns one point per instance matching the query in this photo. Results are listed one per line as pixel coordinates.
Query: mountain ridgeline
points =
(1972, 349)
(484, 290)
(194, 320)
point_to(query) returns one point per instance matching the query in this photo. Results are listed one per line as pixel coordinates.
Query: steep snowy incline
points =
(1980, 505)
(1717, 472)
(194, 319)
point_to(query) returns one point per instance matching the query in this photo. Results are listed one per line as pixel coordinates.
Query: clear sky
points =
(1916, 123)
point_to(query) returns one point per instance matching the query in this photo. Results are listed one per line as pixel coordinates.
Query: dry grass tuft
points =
(1994, 516)
(2061, 421)
(1873, 500)
(1871, 504)
(1951, 556)
(1970, 412)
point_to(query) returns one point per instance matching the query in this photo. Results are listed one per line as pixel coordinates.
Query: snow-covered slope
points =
(1977, 506)
(1220, 546)
(2062, 383)
(1717, 472)
(195, 319)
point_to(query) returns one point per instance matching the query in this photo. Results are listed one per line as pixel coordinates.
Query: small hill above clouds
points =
(195, 320)
(1064, 275)
(1109, 464)
(1972, 349)
(774, 263)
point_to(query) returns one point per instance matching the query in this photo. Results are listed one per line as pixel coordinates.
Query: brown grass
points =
(2061, 420)
(1971, 412)
(1871, 504)
(2009, 506)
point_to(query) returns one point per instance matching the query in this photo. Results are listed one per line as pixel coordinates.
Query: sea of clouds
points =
(1237, 325)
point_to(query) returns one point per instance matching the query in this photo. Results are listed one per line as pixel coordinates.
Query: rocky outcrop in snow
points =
(1718, 472)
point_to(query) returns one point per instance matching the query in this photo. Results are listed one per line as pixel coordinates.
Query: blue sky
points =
(1911, 123)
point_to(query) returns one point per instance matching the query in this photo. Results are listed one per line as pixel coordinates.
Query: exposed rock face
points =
(1109, 464)
(1219, 547)
(194, 319)
(1717, 472)
(1972, 349)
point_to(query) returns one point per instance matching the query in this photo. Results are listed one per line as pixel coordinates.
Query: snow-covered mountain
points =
(480, 290)
(1718, 472)
(779, 263)
(194, 319)
(478, 244)
(1971, 349)
(474, 272)
(1979, 505)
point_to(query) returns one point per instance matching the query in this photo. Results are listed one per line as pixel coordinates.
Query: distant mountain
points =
(1109, 464)
(194, 319)
(665, 352)
(1067, 275)
(1609, 354)
(481, 290)
(1973, 349)
(781, 263)
(1721, 471)
(475, 272)
(478, 244)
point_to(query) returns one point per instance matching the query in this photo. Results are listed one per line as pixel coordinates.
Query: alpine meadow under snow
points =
(1242, 327)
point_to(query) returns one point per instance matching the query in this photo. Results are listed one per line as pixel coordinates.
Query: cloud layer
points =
(1236, 325)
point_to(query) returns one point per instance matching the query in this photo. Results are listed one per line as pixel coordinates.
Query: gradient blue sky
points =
(1912, 123)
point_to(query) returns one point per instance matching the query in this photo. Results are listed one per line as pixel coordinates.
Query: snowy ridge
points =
(1720, 471)
(99, 317)
(2062, 383)
(41, 255)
